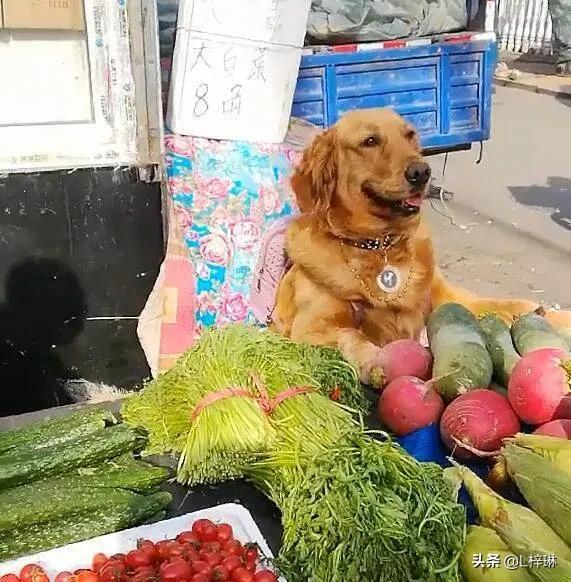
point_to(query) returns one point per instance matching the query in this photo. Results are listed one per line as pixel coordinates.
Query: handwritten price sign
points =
(234, 75)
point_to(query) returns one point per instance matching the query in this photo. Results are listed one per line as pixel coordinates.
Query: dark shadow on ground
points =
(556, 197)
(44, 309)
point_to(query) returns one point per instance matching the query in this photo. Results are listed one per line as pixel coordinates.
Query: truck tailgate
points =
(442, 85)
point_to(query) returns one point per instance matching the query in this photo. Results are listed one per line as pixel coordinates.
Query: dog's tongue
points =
(414, 200)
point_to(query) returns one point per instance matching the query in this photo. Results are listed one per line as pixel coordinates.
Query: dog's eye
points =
(371, 141)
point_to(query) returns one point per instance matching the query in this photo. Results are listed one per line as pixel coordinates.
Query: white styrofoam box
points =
(234, 70)
(79, 555)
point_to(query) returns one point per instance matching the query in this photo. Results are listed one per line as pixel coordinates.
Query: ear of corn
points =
(521, 529)
(477, 565)
(544, 486)
(556, 449)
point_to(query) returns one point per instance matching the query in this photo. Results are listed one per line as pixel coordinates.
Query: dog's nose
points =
(417, 174)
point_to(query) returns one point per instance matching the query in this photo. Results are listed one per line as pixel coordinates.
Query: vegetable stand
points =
(244, 403)
(262, 510)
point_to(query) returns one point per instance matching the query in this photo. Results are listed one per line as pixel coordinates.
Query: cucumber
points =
(532, 332)
(461, 360)
(500, 346)
(81, 491)
(55, 431)
(57, 503)
(23, 466)
(75, 528)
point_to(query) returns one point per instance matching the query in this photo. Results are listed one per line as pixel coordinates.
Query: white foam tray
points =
(79, 555)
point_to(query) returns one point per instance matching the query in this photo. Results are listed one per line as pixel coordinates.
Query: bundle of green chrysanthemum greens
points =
(360, 509)
(209, 407)
(245, 402)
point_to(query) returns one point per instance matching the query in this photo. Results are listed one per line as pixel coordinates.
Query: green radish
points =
(532, 332)
(461, 359)
(500, 347)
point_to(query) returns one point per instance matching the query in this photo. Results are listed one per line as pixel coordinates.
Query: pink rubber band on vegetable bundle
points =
(267, 404)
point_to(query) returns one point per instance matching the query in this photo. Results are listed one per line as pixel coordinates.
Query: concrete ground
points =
(513, 211)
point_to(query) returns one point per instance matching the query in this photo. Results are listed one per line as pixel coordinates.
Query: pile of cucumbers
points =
(472, 352)
(73, 478)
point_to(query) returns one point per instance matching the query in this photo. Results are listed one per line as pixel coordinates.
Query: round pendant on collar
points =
(389, 279)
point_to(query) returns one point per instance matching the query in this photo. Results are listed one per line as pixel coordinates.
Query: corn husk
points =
(544, 486)
(524, 532)
(556, 449)
(481, 543)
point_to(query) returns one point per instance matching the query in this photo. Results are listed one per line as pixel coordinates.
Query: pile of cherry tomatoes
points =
(207, 553)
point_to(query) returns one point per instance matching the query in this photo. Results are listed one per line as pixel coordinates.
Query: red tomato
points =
(113, 571)
(205, 530)
(231, 563)
(64, 577)
(201, 567)
(145, 574)
(33, 573)
(191, 553)
(176, 571)
(251, 552)
(250, 565)
(137, 558)
(242, 575)
(149, 548)
(87, 576)
(9, 578)
(99, 560)
(220, 574)
(265, 576)
(118, 557)
(200, 578)
(212, 546)
(163, 549)
(211, 558)
(233, 548)
(224, 532)
(188, 537)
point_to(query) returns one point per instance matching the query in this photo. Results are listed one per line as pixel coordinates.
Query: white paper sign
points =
(235, 68)
(273, 21)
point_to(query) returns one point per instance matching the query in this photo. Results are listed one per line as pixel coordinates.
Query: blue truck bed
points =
(444, 87)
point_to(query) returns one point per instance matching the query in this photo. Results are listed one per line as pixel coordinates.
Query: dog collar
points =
(371, 244)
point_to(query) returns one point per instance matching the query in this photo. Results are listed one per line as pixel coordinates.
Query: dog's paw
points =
(369, 360)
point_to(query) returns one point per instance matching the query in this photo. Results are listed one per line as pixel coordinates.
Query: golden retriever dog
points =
(364, 271)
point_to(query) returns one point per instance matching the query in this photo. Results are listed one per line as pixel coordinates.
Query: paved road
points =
(524, 179)
(513, 211)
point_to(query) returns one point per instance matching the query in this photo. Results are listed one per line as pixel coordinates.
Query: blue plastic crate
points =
(426, 446)
(444, 89)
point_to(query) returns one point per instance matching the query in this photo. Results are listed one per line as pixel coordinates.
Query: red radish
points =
(406, 358)
(556, 428)
(408, 404)
(538, 385)
(476, 423)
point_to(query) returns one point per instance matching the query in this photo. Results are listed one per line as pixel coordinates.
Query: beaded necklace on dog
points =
(389, 279)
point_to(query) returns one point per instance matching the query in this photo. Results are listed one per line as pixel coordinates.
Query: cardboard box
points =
(43, 14)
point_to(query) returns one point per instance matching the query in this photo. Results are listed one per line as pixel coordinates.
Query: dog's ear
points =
(315, 181)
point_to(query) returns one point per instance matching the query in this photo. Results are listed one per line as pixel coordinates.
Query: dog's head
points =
(363, 172)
